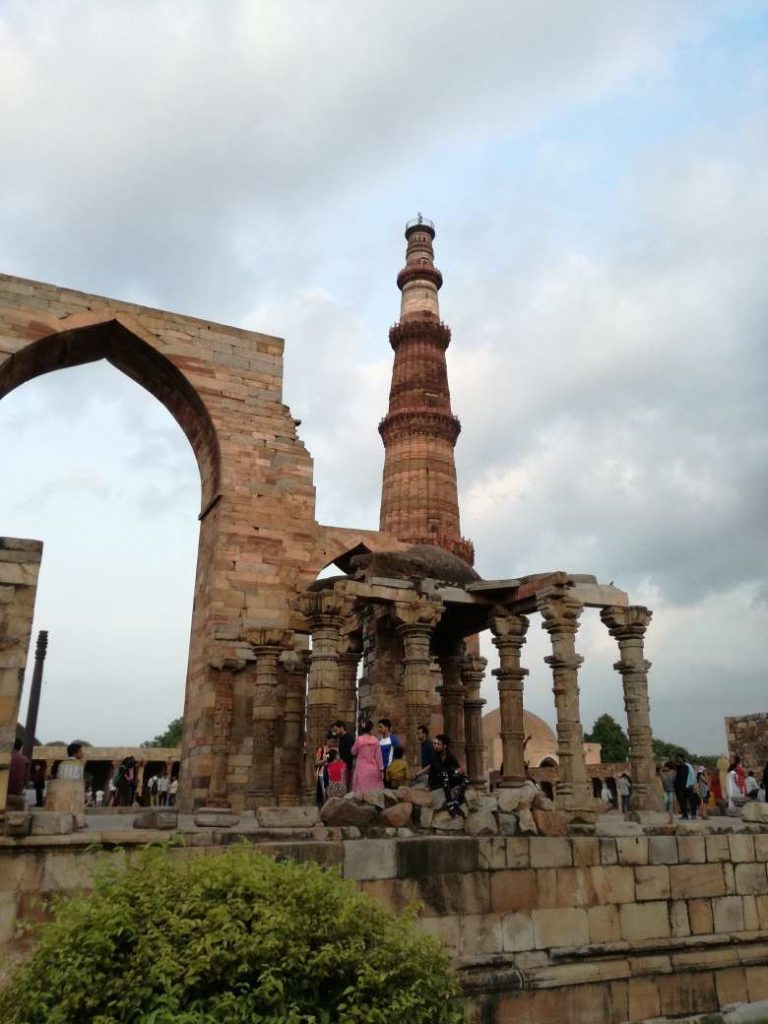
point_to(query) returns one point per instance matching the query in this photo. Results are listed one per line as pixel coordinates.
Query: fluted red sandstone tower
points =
(419, 499)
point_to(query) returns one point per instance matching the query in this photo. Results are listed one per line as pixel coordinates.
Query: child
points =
(335, 775)
(397, 772)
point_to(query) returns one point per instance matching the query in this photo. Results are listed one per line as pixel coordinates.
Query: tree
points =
(170, 738)
(238, 937)
(613, 740)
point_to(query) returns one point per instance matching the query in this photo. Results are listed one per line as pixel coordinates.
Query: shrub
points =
(233, 938)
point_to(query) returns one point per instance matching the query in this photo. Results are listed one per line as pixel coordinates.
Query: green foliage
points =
(234, 938)
(663, 752)
(608, 732)
(170, 738)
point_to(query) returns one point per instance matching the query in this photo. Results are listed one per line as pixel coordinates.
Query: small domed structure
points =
(542, 744)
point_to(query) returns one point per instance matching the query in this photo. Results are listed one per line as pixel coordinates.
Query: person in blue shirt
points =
(386, 740)
(425, 744)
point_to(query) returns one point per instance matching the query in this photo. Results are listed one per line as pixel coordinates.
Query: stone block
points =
(414, 795)
(526, 826)
(575, 888)
(632, 851)
(517, 933)
(456, 893)
(550, 853)
(288, 817)
(651, 882)
(518, 852)
(542, 803)
(613, 884)
(560, 927)
(425, 816)
(700, 916)
(480, 934)
(604, 924)
(691, 881)
(608, 852)
(683, 995)
(8, 916)
(755, 813)
(436, 855)
(53, 823)
(717, 848)
(445, 929)
(398, 815)
(691, 849)
(662, 850)
(443, 822)
(678, 919)
(757, 984)
(762, 910)
(731, 985)
(514, 891)
(370, 858)
(376, 799)
(215, 817)
(742, 849)
(516, 798)
(643, 999)
(641, 921)
(481, 823)
(761, 847)
(156, 818)
(550, 822)
(18, 823)
(728, 914)
(339, 812)
(751, 916)
(508, 824)
(586, 852)
(751, 879)
(492, 853)
(615, 828)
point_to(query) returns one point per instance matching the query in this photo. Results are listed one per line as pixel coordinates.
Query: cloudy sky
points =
(597, 173)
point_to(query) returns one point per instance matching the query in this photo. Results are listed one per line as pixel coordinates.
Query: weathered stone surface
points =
(550, 822)
(53, 823)
(615, 828)
(215, 817)
(437, 799)
(287, 817)
(662, 850)
(515, 798)
(425, 816)
(370, 858)
(651, 882)
(755, 812)
(633, 850)
(156, 818)
(18, 823)
(414, 795)
(339, 811)
(443, 822)
(398, 815)
(550, 853)
(542, 803)
(525, 823)
(508, 824)
(751, 879)
(375, 799)
(641, 921)
(481, 822)
(561, 927)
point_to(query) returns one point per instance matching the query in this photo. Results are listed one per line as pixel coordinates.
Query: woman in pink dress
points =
(369, 767)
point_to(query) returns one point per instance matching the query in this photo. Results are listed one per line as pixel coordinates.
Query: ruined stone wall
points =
(575, 930)
(19, 570)
(747, 737)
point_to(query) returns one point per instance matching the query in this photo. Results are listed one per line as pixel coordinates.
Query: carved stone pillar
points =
(416, 620)
(509, 632)
(472, 673)
(452, 700)
(350, 652)
(293, 665)
(222, 728)
(324, 610)
(267, 646)
(628, 626)
(561, 620)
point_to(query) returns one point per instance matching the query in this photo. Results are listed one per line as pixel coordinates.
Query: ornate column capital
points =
(417, 616)
(626, 623)
(508, 628)
(560, 611)
(269, 638)
(228, 664)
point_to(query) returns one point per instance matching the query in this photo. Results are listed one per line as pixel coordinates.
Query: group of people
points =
(368, 763)
(697, 792)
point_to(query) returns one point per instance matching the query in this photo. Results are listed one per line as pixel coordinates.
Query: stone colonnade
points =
(560, 618)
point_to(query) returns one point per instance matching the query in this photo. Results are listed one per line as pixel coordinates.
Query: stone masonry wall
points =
(577, 930)
(747, 737)
(19, 570)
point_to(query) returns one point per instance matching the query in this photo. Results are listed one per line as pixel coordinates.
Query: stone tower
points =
(419, 499)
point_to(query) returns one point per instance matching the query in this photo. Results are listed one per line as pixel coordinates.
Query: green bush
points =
(232, 938)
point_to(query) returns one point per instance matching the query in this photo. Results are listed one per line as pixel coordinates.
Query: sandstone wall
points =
(747, 737)
(19, 570)
(577, 931)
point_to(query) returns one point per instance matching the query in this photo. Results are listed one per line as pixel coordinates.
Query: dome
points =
(542, 744)
(420, 561)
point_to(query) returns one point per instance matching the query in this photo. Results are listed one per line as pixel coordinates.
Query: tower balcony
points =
(416, 422)
(426, 327)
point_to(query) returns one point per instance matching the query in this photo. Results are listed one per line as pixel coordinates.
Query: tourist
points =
(624, 788)
(752, 785)
(397, 771)
(72, 765)
(125, 783)
(335, 776)
(173, 789)
(162, 788)
(369, 766)
(152, 787)
(386, 740)
(737, 788)
(668, 787)
(605, 793)
(703, 789)
(425, 745)
(444, 773)
(38, 781)
(321, 759)
(99, 797)
(741, 775)
(345, 740)
(19, 770)
(685, 779)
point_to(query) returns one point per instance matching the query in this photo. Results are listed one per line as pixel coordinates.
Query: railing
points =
(420, 221)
